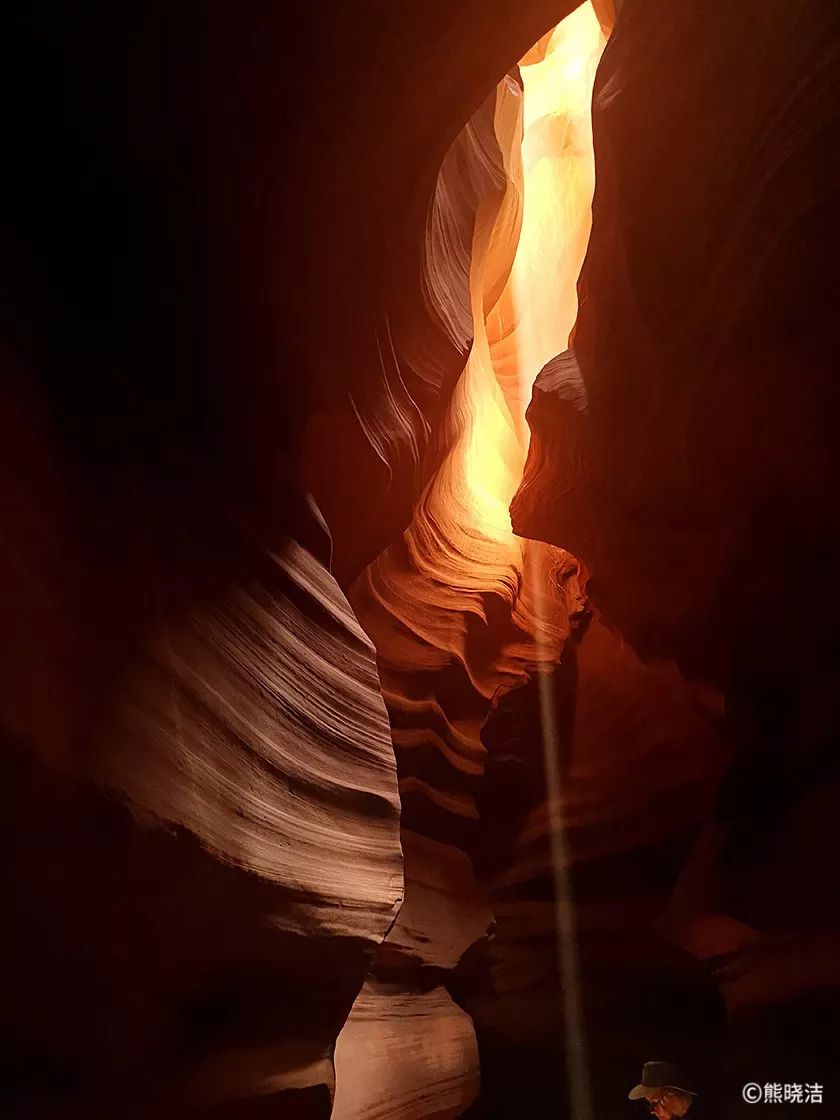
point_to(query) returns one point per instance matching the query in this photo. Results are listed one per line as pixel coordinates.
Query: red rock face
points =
(687, 463)
(360, 804)
(193, 847)
(692, 511)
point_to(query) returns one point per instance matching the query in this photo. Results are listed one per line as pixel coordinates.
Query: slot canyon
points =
(422, 654)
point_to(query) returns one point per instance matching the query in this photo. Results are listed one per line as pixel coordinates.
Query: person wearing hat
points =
(663, 1088)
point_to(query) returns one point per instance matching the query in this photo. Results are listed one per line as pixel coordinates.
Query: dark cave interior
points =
(420, 681)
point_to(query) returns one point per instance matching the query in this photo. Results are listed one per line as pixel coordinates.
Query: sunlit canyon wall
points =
(510, 765)
(460, 610)
(367, 766)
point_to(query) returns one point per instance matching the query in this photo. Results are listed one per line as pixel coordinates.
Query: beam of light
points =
(533, 323)
(559, 183)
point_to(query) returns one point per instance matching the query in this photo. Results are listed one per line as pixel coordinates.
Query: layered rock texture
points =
(374, 750)
(198, 835)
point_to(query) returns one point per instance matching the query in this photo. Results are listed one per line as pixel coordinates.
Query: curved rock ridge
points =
(407, 1049)
(204, 848)
(257, 723)
(412, 1055)
(471, 171)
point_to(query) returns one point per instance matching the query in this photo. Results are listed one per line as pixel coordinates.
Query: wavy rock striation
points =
(203, 844)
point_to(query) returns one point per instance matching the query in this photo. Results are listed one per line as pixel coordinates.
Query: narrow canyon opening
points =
(461, 610)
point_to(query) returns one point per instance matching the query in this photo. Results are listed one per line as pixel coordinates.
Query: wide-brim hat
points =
(659, 1075)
